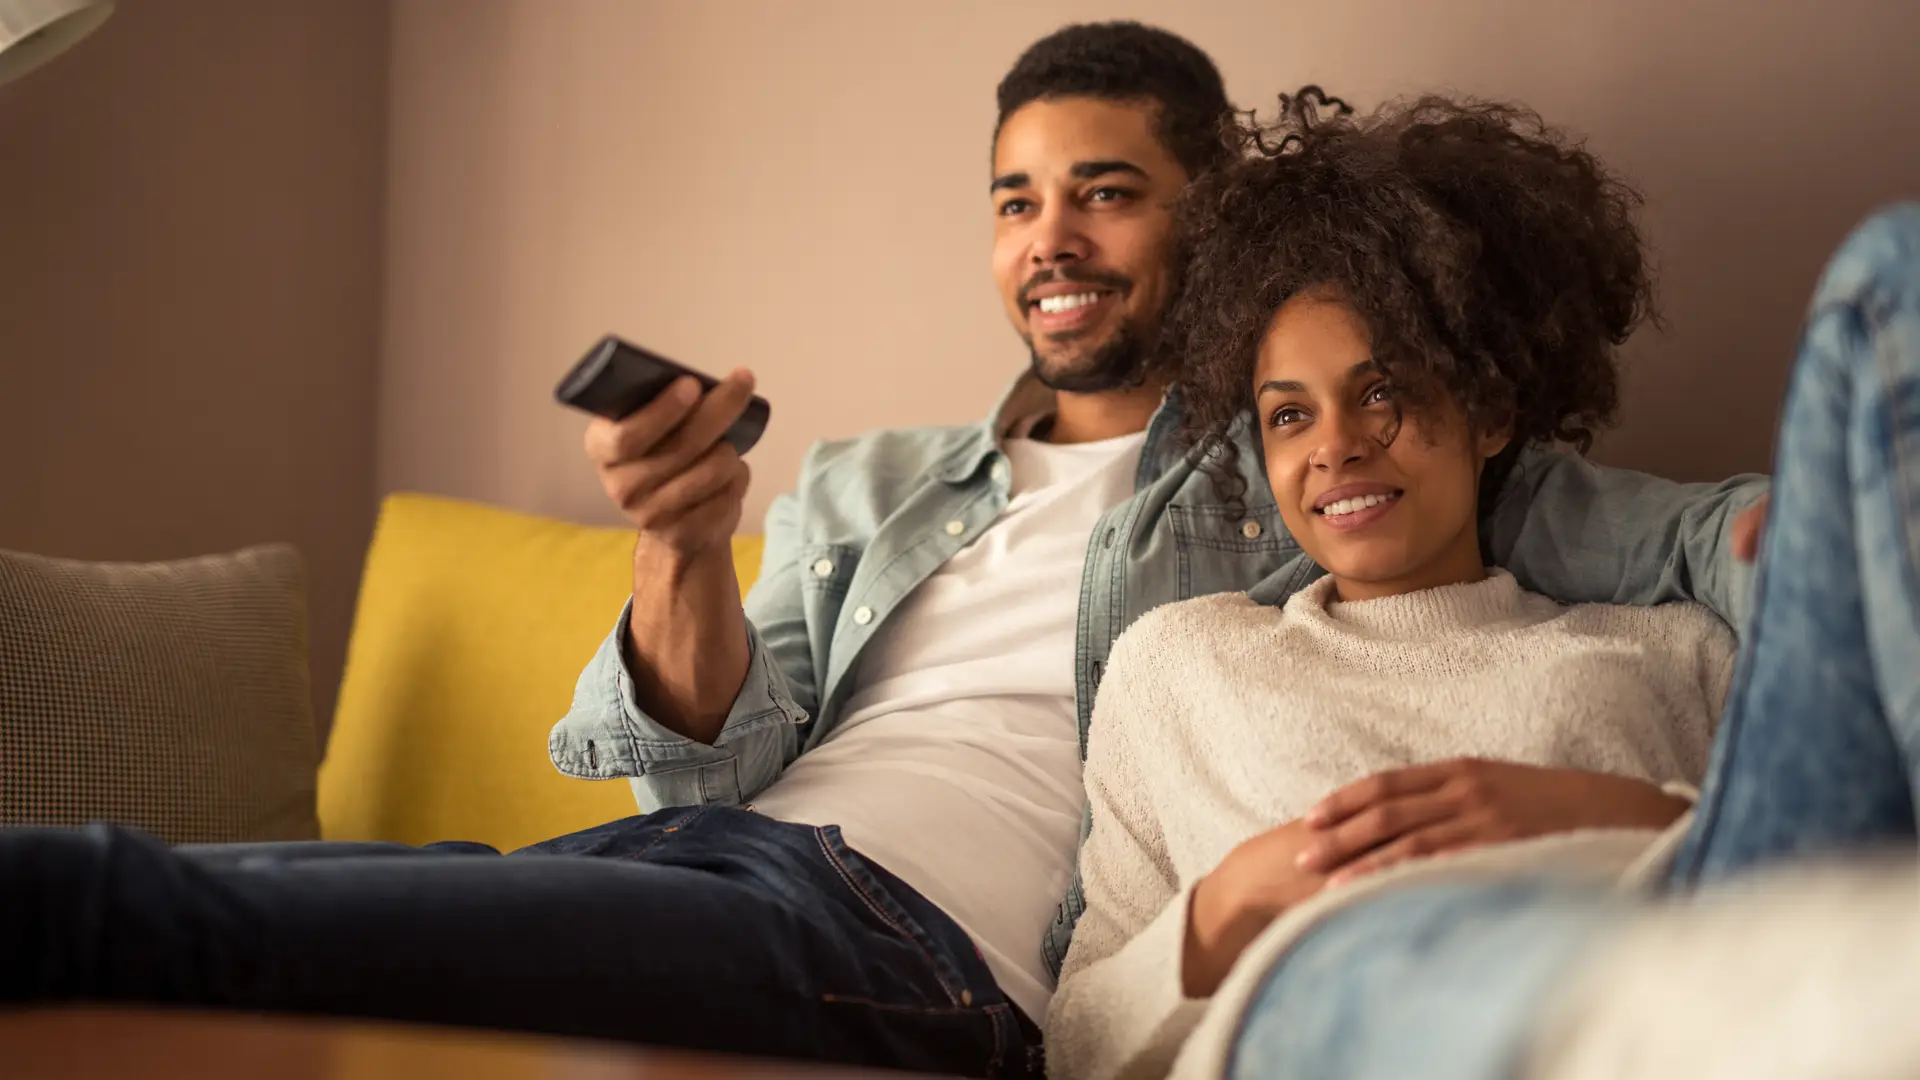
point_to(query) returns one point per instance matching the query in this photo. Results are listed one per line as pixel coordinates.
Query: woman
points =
(1402, 303)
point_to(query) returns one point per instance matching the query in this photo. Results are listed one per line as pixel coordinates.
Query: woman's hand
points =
(1455, 805)
(1231, 906)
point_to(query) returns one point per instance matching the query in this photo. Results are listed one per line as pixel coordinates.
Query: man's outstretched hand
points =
(670, 470)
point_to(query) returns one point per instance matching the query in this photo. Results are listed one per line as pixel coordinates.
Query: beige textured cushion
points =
(171, 696)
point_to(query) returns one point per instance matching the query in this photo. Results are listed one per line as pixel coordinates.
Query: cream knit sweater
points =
(1220, 718)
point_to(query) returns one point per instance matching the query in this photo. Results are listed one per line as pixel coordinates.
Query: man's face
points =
(1083, 196)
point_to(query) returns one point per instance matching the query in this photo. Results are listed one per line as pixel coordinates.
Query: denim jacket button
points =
(999, 472)
(863, 615)
(956, 527)
(1250, 530)
(823, 568)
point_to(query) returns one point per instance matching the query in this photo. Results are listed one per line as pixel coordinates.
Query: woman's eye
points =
(1108, 194)
(1285, 415)
(1378, 393)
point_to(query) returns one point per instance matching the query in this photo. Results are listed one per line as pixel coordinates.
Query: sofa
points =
(473, 624)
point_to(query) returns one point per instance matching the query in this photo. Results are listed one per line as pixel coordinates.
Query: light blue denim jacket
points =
(874, 516)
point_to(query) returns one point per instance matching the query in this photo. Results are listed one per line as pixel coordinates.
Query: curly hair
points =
(1493, 260)
(1126, 61)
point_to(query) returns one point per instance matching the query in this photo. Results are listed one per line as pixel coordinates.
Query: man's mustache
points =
(1101, 279)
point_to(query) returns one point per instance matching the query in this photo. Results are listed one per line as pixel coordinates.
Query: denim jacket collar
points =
(1027, 397)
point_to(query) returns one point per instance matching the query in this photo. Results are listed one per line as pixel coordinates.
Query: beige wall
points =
(800, 187)
(190, 255)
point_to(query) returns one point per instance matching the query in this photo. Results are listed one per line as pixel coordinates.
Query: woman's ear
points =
(1493, 440)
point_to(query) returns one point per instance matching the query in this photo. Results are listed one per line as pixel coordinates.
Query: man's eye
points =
(1014, 206)
(1109, 194)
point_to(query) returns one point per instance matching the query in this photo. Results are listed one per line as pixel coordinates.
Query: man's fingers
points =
(715, 472)
(612, 442)
(1748, 529)
(639, 488)
(673, 429)
(1375, 789)
(716, 517)
(709, 420)
(1379, 824)
(634, 463)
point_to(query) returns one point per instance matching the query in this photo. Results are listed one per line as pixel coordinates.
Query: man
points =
(898, 696)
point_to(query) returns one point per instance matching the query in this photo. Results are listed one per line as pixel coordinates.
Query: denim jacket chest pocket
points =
(1223, 548)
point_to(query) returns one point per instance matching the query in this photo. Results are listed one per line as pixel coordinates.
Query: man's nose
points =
(1059, 239)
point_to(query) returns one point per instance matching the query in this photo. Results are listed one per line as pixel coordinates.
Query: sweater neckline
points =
(1424, 613)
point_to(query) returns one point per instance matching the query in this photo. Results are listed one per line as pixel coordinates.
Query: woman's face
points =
(1384, 512)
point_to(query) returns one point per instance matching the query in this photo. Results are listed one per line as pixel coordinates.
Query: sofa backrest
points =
(472, 627)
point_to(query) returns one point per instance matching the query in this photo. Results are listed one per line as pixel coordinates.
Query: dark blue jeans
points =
(1818, 750)
(707, 928)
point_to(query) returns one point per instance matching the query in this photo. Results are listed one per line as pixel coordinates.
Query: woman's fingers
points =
(1381, 823)
(1361, 795)
(1449, 836)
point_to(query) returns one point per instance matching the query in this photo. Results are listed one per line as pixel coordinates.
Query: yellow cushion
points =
(473, 624)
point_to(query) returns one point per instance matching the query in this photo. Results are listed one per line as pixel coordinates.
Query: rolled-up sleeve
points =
(606, 735)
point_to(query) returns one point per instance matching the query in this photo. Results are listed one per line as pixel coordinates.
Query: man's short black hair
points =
(1126, 61)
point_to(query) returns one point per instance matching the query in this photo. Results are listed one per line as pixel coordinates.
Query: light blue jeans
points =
(1818, 751)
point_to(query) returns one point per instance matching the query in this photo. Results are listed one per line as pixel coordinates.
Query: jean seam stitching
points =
(1902, 472)
(993, 1060)
(886, 1006)
(678, 823)
(880, 913)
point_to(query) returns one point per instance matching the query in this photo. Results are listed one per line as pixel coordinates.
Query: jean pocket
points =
(873, 891)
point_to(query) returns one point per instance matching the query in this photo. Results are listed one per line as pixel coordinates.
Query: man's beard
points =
(1118, 363)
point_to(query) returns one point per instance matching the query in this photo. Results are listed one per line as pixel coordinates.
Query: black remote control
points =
(617, 378)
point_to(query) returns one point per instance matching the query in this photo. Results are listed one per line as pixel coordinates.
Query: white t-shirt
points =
(957, 766)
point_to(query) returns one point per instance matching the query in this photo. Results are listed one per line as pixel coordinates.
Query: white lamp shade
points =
(33, 32)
